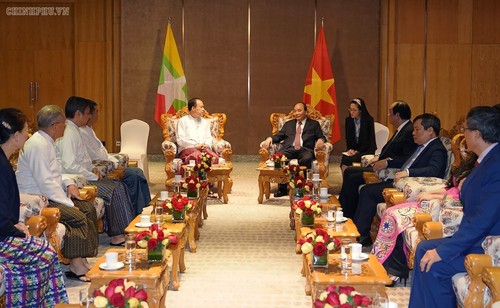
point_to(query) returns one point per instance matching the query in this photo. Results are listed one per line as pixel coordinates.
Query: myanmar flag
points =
(172, 87)
(319, 92)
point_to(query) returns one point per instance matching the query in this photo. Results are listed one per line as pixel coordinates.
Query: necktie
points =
(298, 132)
(412, 158)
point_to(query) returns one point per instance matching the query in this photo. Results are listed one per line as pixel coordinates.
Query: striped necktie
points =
(412, 158)
(298, 132)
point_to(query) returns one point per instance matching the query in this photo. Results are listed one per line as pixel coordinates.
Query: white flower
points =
(165, 242)
(330, 246)
(320, 239)
(306, 247)
(298, 211)
(142, 243)
(343, 298)
(100, 301)
(323, 296)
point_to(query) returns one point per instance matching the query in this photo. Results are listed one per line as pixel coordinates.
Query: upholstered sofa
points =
(169, 145)
(322, 155)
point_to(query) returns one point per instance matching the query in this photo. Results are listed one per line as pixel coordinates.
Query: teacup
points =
(163, 194)
(339, 215)
(145, 220)
(177, 178)
(356, 250)
(111, 259)
(323, 191)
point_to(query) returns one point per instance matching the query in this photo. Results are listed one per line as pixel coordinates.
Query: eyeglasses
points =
(463, 129)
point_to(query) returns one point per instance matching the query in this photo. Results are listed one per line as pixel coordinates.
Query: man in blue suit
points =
(436, 261)
(400, 145)
(429, 159)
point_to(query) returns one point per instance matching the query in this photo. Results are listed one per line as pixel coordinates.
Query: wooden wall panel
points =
(485, 74)
(91, 20)
(442, 21)
(409, 22)
(409, 76)
(486, 22)
(448, 81)
(216, 62)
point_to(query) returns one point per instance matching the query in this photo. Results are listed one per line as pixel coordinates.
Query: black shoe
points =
(365, 241)
(280, 193)
(395, 279)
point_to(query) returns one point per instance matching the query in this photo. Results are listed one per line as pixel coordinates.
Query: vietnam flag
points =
(172, 87)
(319, 92)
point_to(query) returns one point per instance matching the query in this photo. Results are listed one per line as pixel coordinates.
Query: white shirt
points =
(94, 146)
(39, 171)
(192, 131)
(72, 154)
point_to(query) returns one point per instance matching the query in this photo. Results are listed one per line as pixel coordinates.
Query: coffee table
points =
(268, 175)
(332, 201)
(218, 174)
(153, 276)
(372, 277)
(178, 229)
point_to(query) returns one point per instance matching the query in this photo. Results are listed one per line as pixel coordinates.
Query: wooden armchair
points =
(322, 155)
(169, 147)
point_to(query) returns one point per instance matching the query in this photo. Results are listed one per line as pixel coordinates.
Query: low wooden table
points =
(153, 276)
(371, 279)
(178, 229)
(267, 176)
(218, 174)
(332, 201)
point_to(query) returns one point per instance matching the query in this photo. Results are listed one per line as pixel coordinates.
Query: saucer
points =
(362, 257)
(160, 199)
(341, 220)
(330, 219)
(140, 225)
(316, 180)
(325, 197)
(118, 265)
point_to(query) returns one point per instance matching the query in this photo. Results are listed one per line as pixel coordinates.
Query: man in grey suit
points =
(401, 145)
(300, 137)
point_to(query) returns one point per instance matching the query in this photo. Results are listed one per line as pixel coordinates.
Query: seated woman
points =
(22, 255)
(389, 246)
(359, 134)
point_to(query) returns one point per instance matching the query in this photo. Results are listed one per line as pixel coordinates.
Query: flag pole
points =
(323, 22)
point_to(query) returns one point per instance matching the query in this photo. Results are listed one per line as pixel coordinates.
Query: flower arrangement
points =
(178, 203)
(307, 205)
(202, 166)
(154, 236)
(300, 182)
(278, 157)
(341, 297)
(206, 158)
(318, 241)
(293, 170)
(192, 182)
(120, 293)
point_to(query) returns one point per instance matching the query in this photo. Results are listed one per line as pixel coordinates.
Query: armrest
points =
(432, 230)
(88, 193)
(419, 219)
(37, 225)
(491, 277)
(264, 156)
(387, 192)
(370, 177)
(474, 265)
(116, 174)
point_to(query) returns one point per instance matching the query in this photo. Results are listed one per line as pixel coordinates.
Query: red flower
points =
(117, 300)
(346, 305)
(346, 290)
(130, 292)
(319, 249)
(173, 239)
(333, 299)
(141, 295)
(324, 234)
(152, 243)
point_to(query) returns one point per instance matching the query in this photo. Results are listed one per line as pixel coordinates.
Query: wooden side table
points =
(178, 229)
(153, 276)
(266, 177)
(320, 220)
(219, 174)
(371, 279)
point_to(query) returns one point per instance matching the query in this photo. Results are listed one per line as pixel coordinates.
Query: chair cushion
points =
(491, 246)
(410, 238)
(381, 207)
(31, 205)
(461, 282)
(413, 186)
(451, 219)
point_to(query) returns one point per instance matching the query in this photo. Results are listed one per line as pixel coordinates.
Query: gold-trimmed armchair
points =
(169, 147)
(322, 155)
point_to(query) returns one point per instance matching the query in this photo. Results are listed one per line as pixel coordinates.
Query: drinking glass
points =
(86, 299)
(380, 301)
(130, 245)
(159, 215)
(346, 254)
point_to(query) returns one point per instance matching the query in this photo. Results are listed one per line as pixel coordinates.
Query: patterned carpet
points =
(245, 256)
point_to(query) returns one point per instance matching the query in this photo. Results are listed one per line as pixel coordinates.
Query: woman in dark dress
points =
(29, 265)
(359, 134)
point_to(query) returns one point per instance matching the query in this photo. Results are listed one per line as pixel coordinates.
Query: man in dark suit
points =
(436, 261)
(429, 159)
(400, 145)
(300, 137)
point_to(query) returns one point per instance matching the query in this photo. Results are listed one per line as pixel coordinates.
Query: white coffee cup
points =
(331, 215)
(111, 259)
(145, 220)
(163, 194)
(177, 178)
(339, 215)
(391, 305)
(323, 191)
(192, 162)
(316, 177)
(356, 267)
(356, 250)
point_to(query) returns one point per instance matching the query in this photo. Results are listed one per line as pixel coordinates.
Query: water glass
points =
(86, 298)
(345, 254)
(380, 301)
(159, 215)
(130, 245)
